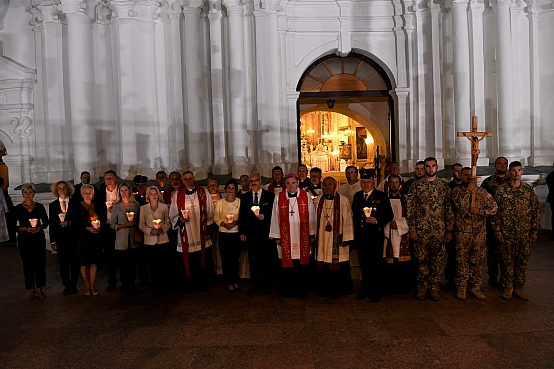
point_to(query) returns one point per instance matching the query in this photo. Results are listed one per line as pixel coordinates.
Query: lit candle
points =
(256, 210)
(130, 216)
(314, 197)
(33, 222)
(95, 224)
(156, 223)
(109, 203)
(62, 217)
(230, 218)
(185, 213)
(367, 212)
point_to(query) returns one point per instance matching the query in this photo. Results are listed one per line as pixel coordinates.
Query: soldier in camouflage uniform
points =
(470, 233)
(431, 222)
(419, 173)
(516, 225)
(491, 184)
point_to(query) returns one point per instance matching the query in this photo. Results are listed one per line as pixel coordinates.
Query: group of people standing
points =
(299, 231)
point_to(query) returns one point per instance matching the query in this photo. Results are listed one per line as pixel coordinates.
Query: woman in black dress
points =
(86, 226)
(31, 220)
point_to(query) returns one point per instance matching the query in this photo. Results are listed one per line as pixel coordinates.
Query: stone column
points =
(237, 88)
(505, 83)
(460, 37)
(81, 81)
(194, 89)
(217, 88)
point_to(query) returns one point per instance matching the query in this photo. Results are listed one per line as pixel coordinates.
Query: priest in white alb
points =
(191, 213)
(293, 229)
(396, 249)
(334, 230)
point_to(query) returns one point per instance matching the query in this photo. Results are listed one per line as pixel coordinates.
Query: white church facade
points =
(230, 86)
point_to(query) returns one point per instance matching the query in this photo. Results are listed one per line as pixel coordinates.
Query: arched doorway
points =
(344, 114)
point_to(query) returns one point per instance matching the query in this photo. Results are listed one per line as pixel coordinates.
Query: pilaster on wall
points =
(268, 66)
(51, 150)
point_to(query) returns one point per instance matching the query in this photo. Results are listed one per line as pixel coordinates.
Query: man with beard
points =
(490, 184)
(419, 172)
(334, 231)
(516, 225)
(472, 206)
(431, 222)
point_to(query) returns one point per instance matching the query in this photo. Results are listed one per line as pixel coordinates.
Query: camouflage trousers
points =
(470, 252)
(429, 252)
(493, 259)
(514, 258)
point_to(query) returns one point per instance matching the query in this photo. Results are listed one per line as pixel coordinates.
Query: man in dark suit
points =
(371, 211)
(61, 238)
(550, 197)
(85, 179)
(103, 204)
(254, 230)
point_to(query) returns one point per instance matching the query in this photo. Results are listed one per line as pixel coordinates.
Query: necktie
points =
(255, 198)
(366, 196)
(64, 207)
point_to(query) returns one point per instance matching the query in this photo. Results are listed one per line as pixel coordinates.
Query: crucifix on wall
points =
(475, 137)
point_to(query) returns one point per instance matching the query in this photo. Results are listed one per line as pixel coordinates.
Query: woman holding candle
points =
(88, 245)
(154, 222)
(226, 215)
(31, 220)
(125, 216)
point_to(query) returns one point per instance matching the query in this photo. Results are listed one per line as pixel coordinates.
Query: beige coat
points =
(146, 223)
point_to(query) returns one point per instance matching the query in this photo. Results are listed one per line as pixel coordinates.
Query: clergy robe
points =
(396, 248)
(197, 273)
(348, 191)
(334, 278)
(293, 280)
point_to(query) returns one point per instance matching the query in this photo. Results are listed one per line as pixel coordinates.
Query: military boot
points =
(461, 295)
(421, 293)
(507, 294)
(521, 295)
(434, 294)
(476, 292)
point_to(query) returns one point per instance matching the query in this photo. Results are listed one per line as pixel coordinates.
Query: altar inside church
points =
(332, 141)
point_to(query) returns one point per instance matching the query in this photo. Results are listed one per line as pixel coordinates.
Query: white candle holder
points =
(230, 218)
(62, 217)
(256, 210)
(33, 222)
(109, 203)
(367, 212)
(156, 223)
(185, 213)
(95, 224)
(130, 216)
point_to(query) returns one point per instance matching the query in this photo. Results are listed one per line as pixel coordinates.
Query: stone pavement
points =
(222, 330)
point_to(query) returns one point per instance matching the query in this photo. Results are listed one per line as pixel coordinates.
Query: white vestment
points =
(192, 227)
(346, 228)
(294, 221)
(396, 234)
(348, 190)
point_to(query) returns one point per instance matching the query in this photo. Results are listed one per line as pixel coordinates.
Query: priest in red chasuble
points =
(191, 213)
(293, 229)
(334, 231)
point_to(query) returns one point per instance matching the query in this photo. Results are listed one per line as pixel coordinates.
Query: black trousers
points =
(294, 281)
(333, 282)
(110, 257)
(157, 262)
(552, 217)
(142, 263)
(69, 268)
(399, 278)
(493, 256)
(371, 266)
(127, 267)
(450, 268)
(229, 248)
(262, 259)
(33, 258)
(199, 275)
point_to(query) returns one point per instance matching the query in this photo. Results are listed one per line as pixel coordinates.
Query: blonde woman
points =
(226, 215)
(125, 217)
(61, 238)
(31, 220)
(154, 222)
(88, 246)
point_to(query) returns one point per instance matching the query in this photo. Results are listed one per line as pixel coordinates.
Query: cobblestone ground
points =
(222, 330)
